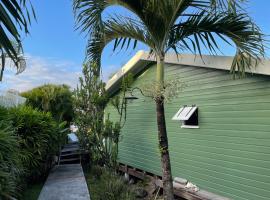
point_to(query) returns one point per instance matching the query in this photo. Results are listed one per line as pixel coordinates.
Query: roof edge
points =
(207, 61)
(125, 69)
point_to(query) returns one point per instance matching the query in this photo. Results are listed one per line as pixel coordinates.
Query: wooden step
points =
(71, 146)
(69, 160)
(70, 149)
(66, 154)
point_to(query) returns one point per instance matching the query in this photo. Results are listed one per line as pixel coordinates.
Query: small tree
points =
(97, 133)
(90, 100)
(178, 25)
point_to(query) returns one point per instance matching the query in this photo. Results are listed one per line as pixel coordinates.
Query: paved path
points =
(65, 182)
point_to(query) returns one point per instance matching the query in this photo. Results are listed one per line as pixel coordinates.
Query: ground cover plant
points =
(105, 184)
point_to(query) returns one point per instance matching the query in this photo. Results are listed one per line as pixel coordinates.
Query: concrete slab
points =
(65, 182)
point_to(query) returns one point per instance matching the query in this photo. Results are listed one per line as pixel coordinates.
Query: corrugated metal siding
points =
(229, 154)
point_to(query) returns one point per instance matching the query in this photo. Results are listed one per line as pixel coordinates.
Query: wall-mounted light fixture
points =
(130, 97)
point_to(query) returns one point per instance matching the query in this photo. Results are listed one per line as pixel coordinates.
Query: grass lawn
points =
(32, 192)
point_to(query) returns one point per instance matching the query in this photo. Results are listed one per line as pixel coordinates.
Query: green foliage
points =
(97, 136)
(108, 185)
(90, 100)
(181, 26)
(56, 99)
(29, 139)
(119, 101)
(40, 138)
(168, 92)
(10, 163)
(115, 189)
(163, 25)
(14, 16)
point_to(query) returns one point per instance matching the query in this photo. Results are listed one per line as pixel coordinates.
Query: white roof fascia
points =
(207, 61)
(125, 69)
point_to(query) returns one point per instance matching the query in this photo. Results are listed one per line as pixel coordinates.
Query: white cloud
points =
(40, 71)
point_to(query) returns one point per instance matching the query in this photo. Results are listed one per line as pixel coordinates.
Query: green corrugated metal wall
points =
(229, 154)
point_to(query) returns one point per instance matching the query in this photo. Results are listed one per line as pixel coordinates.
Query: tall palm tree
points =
(14, 16)
(163, 25)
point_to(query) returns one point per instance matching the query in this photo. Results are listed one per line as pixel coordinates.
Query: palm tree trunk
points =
(162, 134)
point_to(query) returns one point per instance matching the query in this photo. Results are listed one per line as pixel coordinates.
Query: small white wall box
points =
(188, 115)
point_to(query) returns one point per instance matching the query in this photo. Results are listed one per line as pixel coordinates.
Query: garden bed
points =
(104, 184)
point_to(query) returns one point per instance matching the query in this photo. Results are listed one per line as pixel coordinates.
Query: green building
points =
(218, 127)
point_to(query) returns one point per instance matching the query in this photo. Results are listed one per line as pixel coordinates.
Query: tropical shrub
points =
(39, 138)
(90, 101)
(10, 164)
(29, 139)
(98, 136)
(56, 99)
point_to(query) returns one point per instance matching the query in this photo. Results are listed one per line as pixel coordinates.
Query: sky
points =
(55, 50)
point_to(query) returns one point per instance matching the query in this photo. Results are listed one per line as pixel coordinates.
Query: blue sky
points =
(55, 51)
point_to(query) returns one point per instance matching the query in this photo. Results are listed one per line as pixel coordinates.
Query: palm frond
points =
(20, 63)
(15, 17)
(231, 6)
(176, 24)
(123, 31)
(203, 29)
(10, 164)
(88, 13)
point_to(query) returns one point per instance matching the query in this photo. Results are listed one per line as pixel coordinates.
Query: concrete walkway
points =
(65, 182)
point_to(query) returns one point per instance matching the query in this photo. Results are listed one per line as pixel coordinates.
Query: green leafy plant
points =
(15, 16)
(108, 185)
(39, 139)
(97, 133)
(90, 101)
(11, 168)
(29, 139)
(56, 99)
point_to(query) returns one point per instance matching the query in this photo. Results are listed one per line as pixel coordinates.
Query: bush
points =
(10, 163)
(56, 99)
(39, 138)
(29, 139)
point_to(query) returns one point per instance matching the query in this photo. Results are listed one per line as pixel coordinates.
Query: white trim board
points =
(142, 58)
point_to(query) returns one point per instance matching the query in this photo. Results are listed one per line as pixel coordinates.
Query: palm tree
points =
(178, 25)
(14, 16)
